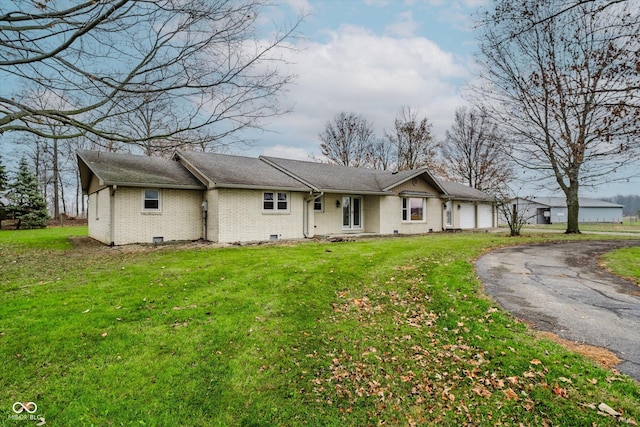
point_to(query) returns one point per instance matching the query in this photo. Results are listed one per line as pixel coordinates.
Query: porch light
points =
(337, 203)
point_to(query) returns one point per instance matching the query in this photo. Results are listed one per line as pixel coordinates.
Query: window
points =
(151, 200)
(317, 204)
(413, 209)
(272, 201)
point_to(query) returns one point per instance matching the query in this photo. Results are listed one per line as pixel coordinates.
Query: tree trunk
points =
(573, 208)
(515, 231)
(56, 183)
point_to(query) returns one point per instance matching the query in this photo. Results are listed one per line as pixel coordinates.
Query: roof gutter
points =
(259, 187)
(152, 185)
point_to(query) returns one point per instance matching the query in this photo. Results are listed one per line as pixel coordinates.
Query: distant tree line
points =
(631, 204)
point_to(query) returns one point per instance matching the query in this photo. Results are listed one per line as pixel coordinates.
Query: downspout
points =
(205, 211)
(112, 214)
(305, 211)
(476, 219)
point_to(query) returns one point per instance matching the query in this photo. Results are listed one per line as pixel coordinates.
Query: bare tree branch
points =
(203, 58)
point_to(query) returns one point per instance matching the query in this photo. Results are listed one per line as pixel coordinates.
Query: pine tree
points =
(26, 203)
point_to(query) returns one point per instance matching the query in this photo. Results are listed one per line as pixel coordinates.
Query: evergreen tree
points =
(26, 203)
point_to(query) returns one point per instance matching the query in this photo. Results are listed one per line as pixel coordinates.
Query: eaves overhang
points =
(215, 185)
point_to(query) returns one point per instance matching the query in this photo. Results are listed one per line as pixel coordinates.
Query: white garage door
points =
(467, 215)
(485, 216)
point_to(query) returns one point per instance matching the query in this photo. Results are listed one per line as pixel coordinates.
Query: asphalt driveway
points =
(559, 287)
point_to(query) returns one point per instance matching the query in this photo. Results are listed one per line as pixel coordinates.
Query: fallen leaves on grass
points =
(559, 391)
(420, 367)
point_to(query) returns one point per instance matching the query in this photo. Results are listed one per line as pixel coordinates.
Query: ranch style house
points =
(235, 199)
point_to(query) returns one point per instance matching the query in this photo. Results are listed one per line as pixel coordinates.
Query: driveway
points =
(559, 287)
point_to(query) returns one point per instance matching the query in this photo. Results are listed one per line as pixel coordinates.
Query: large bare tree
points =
(561, 78)
(348, 140)
(203, 59)
(411, 139)
(473, 152)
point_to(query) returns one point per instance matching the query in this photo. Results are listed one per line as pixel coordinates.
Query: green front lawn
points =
(390, 331)
(624, 262)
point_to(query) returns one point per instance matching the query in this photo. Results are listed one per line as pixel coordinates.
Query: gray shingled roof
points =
(223, 170)
(561, 202)
(326, 177)
(461, 191)
(227, 171)
(134, 171)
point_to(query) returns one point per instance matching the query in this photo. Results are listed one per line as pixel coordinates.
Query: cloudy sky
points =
(371, 57)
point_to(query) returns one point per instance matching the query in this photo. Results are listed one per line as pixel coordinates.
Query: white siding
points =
(589, 214)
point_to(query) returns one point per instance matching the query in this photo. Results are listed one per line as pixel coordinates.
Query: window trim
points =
(320, 201)
(276, 201)
(406, 210)
(144, 200)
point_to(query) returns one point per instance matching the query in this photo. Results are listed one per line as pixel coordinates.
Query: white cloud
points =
(358, 71)
(404, 26)
(299, 5)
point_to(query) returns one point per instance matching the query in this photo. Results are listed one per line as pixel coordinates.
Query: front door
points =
(448, 215)
(351, 213)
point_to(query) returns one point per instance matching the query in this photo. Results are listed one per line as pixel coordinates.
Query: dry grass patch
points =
(601, 356)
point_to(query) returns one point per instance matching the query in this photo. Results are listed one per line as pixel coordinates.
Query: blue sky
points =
(372, 57)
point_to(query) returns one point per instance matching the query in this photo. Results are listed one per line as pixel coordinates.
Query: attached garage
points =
(467, 215)
(485, 215)
(467, 208)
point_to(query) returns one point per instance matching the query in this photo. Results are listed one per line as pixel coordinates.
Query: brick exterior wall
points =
(99, 217)
(236, 215)
(180, 216)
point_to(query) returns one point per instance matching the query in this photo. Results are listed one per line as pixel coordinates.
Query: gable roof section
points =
(227, 171)
(326, 177)
(392, 179)
(133, 171)
(337, 178)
